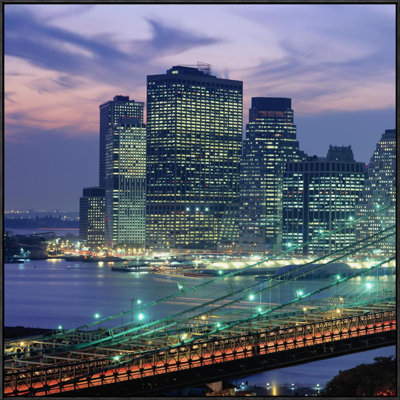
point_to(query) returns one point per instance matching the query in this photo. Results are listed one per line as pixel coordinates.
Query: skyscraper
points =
(123, 171)
(194, 135)
(91, 217)
(111, 113)
(319, 195)
(379, 191)
(270, 143)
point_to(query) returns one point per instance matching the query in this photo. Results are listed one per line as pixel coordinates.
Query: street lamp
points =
(97, 315)
(141, 317)
(251, 297)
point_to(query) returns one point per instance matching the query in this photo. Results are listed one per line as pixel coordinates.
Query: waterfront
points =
(47, 293)
(30, 231)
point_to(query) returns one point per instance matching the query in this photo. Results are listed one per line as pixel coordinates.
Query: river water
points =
(49, 293)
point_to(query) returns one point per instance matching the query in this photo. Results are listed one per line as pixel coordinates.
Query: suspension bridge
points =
(291, 317)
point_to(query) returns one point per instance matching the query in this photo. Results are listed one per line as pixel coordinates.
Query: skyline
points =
(52, 100)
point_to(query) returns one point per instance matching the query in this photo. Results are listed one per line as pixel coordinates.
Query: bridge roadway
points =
(161, 370)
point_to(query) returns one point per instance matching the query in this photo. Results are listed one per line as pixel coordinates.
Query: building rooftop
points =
(271, 103)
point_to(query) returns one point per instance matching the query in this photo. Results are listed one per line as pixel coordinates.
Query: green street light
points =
(117, 358)
(259, 309)
(97, 315)
(141, 316)
(251, 297)
(368, 285)
(138, 301)
(220, 272)
(290, 244)
(60, 327)
(338, 277)
(300, 293)
(218, 325)
(351, 218)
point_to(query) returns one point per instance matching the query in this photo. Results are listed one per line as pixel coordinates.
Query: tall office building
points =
(123, 171)
(111, 113)
(379, 191)
(270, 143)
(91, 217)
(319, 195)
(194, 137)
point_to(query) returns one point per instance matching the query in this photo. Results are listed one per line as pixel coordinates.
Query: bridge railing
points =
(67, 377)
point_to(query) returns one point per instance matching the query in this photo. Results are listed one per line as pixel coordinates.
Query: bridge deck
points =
(88, 374)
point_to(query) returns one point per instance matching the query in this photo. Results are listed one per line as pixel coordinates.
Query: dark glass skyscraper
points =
(379, 191)
(319, 195)
(91, 217)
(270, 143)
(123, 171)
(194, 136)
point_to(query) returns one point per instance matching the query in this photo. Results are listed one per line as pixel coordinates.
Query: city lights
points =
(199, 178)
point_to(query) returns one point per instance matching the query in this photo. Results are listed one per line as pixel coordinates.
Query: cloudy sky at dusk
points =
(336, 62)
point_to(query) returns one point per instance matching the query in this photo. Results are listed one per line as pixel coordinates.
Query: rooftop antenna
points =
(201, 66)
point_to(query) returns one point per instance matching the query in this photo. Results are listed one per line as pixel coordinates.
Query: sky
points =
(336, 62)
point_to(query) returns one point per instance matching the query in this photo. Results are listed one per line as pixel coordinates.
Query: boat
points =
(130, 268)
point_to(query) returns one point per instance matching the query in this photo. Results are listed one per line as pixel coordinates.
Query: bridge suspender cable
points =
(127, 359)
(244, 290)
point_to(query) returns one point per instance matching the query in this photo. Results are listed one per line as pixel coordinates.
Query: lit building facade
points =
(270, 143)
(92, 217)
(111, 113)
(379, 191)
(319, 195)
(194, 138)
(123, 137)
